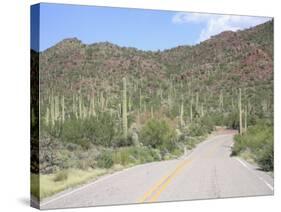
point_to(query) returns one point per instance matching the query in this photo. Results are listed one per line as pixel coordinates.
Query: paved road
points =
(208, 172)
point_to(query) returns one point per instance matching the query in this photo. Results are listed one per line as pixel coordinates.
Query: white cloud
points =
(214, 24)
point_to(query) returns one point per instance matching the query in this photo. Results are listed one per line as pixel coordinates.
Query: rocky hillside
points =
(242, 58)
(106, 95)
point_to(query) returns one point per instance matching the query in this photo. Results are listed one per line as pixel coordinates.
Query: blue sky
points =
(142, 29)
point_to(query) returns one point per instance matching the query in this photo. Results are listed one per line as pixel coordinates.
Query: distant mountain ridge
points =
(229, 59)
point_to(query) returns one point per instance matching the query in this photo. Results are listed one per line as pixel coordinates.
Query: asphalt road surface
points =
(207, 172)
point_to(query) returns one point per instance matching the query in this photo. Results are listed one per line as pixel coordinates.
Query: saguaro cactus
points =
(80, 106)
(221, 101)
(47, 117)
(245, 119)
(240, 113)
(62, 110)
(197, 101)
(181, 115)
(124, 108)
(52, 110)
(191, 112)
(73, 104)
(129, 103)
(57, 110)
(119, 111)
(92, 106)
(102, 101)
(140, 100)
(161, 95)
(151, 112)
(202, 110)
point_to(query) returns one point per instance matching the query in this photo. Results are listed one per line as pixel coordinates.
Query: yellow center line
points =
(155, 191)
(150, 191)
(168, 181)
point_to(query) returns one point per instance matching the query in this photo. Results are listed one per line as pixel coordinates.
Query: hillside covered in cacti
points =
(102, 104)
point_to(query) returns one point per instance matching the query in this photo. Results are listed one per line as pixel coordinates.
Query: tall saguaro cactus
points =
(240, 113)
(197, 101)
(62, 110)
(245, 119)
(80, 105)
(140, 100)
(124, 108)
(52, 109)
(191, 111)
(221, 101)
(47, 121)
(57, 108)
(181, 115)
(92, 106)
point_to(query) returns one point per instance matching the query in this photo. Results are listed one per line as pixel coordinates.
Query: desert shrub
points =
(73, 131)
(191, 142)
(121, 141)
(100, 131)
(265, 156)
(207, 123)
(158, 134)
(238, 145)
(177, 152)
(105, 160)
(218, 119)
(61, 176)
(135, 155)
(259, 141)
(145, 154)
(124, 156)
(55, 131)
(197, 129)
(232, 120)
(93, 130)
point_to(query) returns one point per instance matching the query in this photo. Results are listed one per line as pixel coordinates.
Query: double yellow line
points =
(155, 191)
(153, 194)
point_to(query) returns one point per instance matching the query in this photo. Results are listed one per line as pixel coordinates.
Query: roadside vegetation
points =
(82, 139)
(66, 164)
(104, 108)
(53, 183)
(256, 145)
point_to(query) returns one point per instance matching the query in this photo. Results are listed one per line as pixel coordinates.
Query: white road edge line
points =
(88, 184)
(105, 178)
(260, 178)
(95, 182)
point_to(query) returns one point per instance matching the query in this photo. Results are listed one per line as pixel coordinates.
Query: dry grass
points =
(51, 184)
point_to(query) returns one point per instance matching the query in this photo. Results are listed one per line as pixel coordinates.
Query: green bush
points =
(104, 160)
(158, 134)
(135, 155)
(207, 123)
(100, 131)
(93, 130)
(73, 131)
(197, 129)
(265, 156)
(232, 120)
(120, 141)
(238, 145)
(123, 156)
(259, 141)
(61, 176)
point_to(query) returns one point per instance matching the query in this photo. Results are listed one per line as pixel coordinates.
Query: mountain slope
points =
(243, 57)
